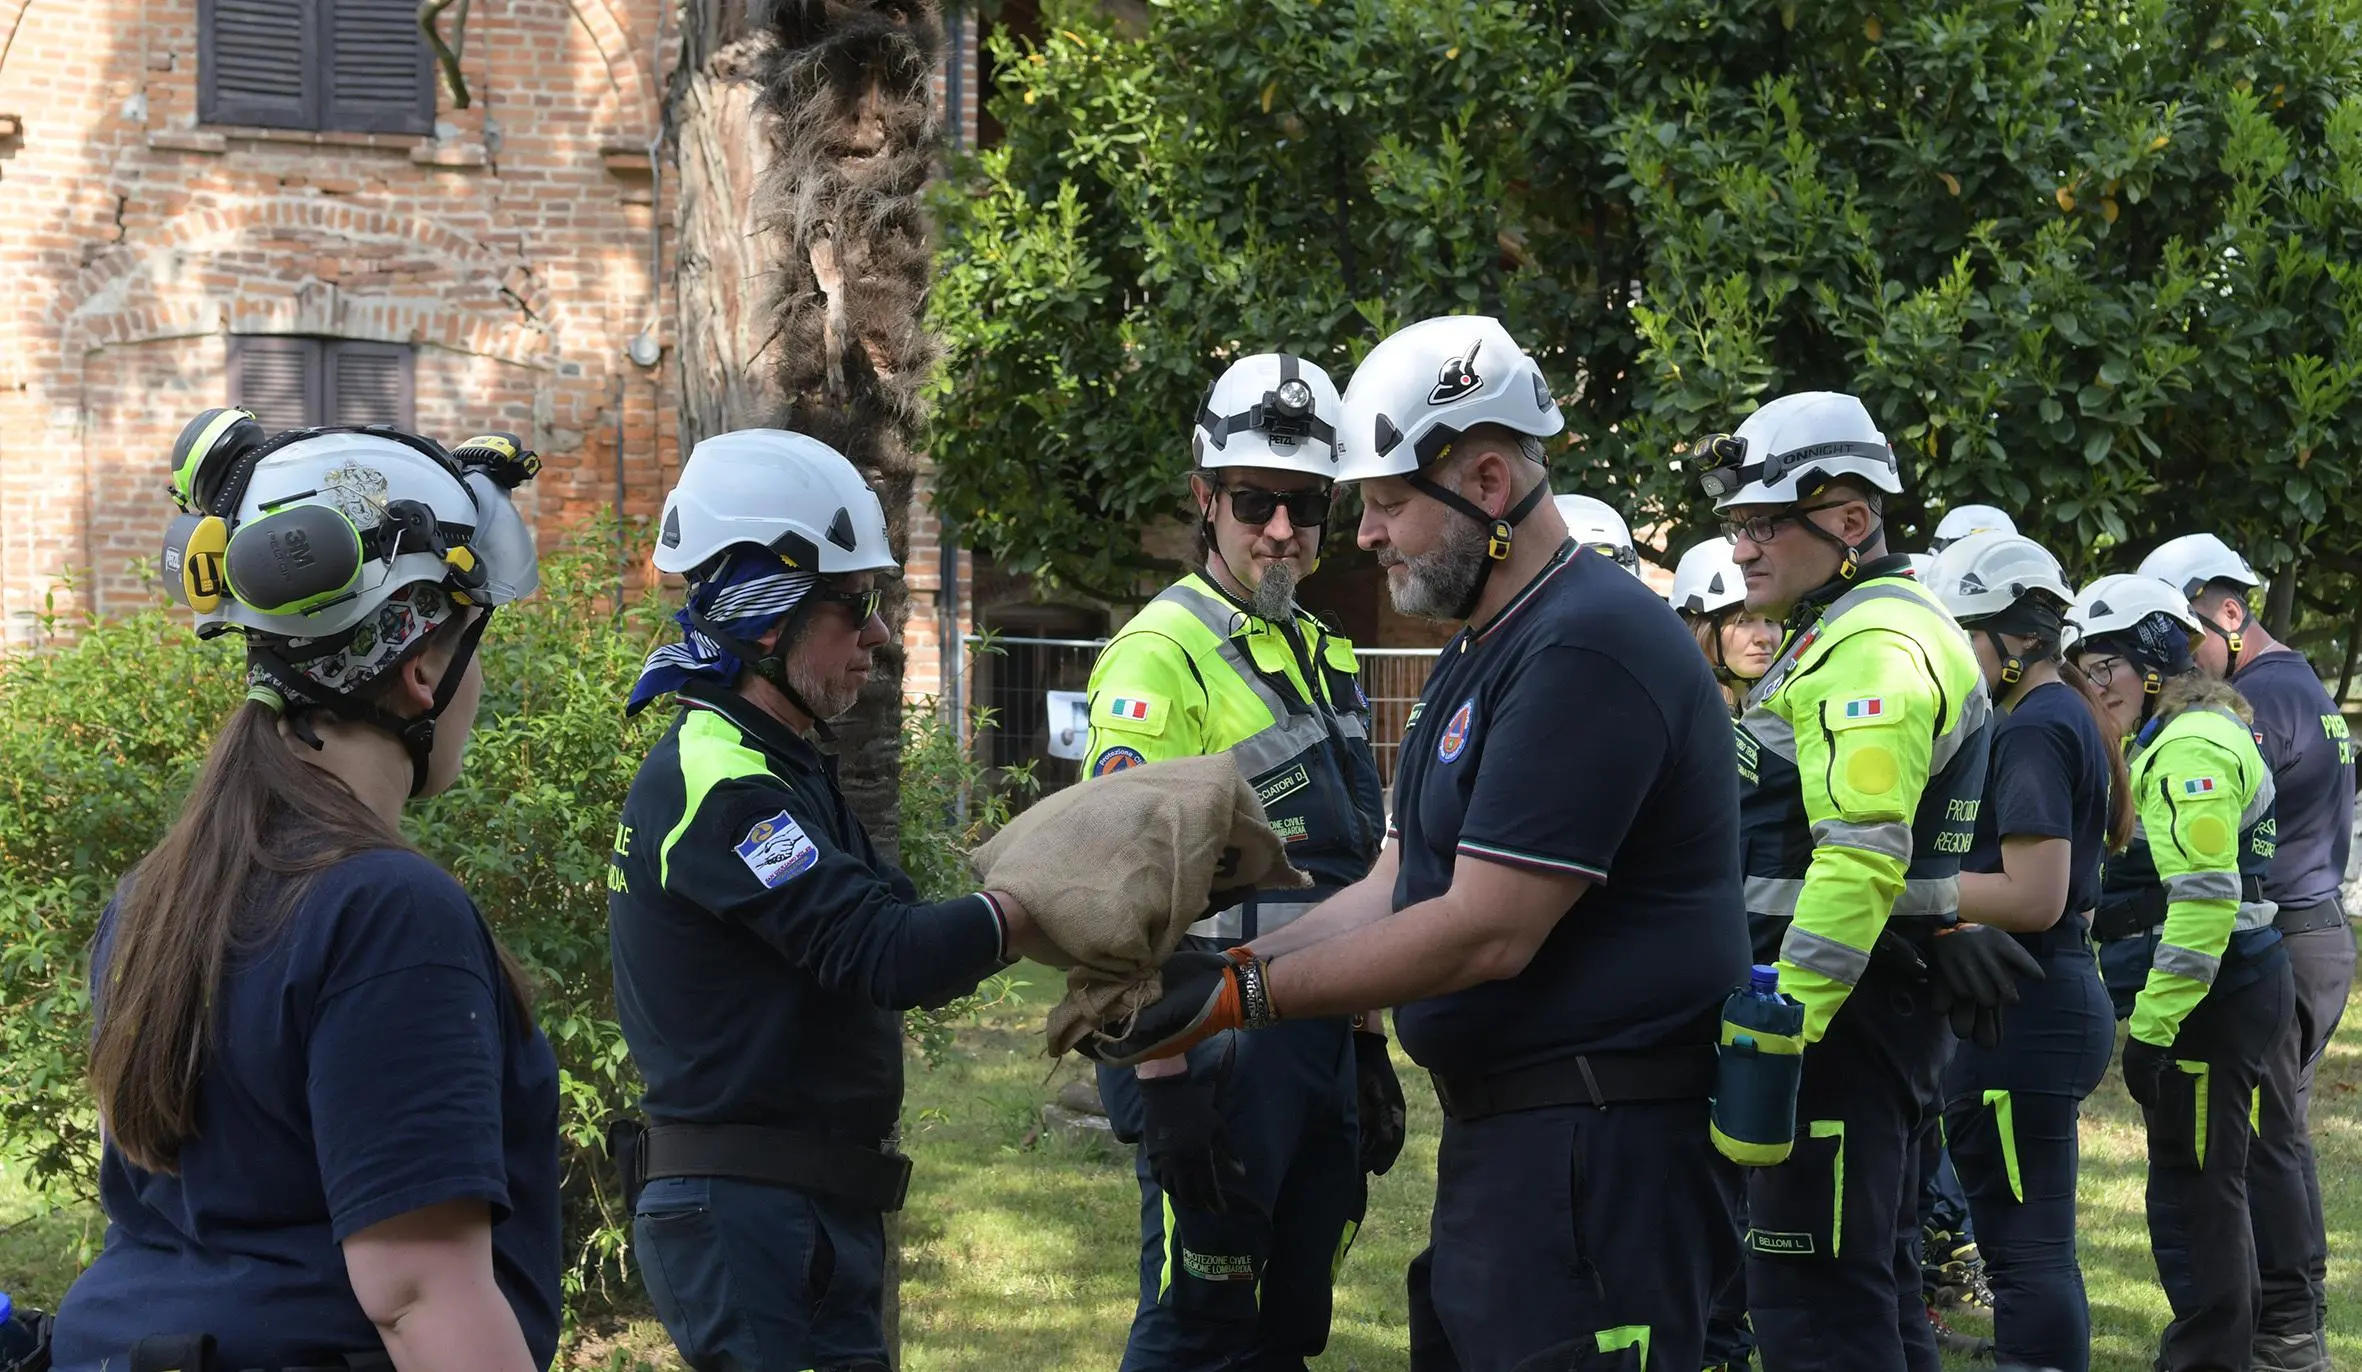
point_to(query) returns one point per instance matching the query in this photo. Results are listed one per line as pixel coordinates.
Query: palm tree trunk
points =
(807, 130)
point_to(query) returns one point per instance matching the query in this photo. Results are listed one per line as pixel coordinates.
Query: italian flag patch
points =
(2198, 786)
(1868, 707)
(1123, 708)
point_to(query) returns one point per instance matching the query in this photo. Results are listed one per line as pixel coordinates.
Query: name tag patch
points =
(777, 851)
(1271, 790)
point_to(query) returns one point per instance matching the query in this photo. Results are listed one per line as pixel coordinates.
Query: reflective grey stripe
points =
(1271, 915)
(2255, 914)
(2183, 962)
(1890, 838)
(1775, 734)
(1826, 956)
(1921, 898)
(2265, 793)
(1974, 711)
(2203, 886)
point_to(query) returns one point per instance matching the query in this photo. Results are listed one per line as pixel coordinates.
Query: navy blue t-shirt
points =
(1581, 731)
(2306, 743)
(2048, 778)
(368, 1061)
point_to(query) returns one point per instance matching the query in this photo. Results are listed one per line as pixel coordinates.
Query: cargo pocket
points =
(1798, 1207)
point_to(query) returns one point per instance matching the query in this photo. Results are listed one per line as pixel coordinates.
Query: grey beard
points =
(1275, 594)
(1436, 584)
(826, 703)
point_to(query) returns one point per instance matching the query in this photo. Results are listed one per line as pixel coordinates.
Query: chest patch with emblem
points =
(1456, 731)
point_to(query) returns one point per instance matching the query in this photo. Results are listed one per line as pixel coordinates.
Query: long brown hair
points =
(258, 824)
(2120, 814)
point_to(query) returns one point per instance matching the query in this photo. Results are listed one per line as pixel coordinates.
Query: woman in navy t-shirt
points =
(2055, 802)
(331, 1126)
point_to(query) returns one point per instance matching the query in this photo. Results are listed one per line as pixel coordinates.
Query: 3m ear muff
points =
(213, 459)
(193, 547)
(295, 560)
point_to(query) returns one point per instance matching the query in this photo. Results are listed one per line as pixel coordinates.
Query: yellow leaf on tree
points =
(1029, 97)
(2158, 143)
(1872, 29)
(1451, 54)
(1268, 92)
(1951, 182)
(2066, 199)
(2108, 210)
(2303, 456)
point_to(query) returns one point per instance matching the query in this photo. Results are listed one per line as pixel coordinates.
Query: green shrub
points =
(100, 737)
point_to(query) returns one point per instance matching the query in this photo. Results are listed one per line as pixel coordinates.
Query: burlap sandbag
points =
(1115, 870)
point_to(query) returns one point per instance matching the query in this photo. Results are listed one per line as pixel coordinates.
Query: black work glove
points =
(1377, 1099)
(2145, 1069)
(1181, 1132)
(2124, 914)
(1976, 970)
(1200, 1000)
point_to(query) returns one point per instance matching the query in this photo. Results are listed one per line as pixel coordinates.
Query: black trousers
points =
(2200, 1132)
(2284, 1194)
(1833, 1279)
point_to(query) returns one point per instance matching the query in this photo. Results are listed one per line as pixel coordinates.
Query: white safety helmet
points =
(1962, 520)
(1596, 525)
(1275, 411)
(304, 534)
(1985, 573)
(1791, 447)
(1431, 382)
(2189, 562)
(1707, 580)
(770, 488)
(2148, 617)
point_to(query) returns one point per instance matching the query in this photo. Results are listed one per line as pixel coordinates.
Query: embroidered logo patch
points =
(1455, 732)
(2198, 786)
(777, 851)
(1868, 707)
(1224, 1267)
(1115, 760)
(1125, 708)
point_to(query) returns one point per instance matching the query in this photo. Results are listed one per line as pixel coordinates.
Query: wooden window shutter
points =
(277, 378)
(380, 74)
(256, 64)
(369, 383)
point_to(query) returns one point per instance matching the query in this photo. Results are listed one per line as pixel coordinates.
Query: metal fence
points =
(1011, 678)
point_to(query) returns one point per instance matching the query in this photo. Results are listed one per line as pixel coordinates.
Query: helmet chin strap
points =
(2234, 640)
(415, 732)
(770, 666)
(1500, 529)
(1849, 565)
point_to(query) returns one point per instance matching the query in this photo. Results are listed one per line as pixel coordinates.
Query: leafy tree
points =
(2095, 263)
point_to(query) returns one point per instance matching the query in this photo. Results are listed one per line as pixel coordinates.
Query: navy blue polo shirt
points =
(2311, 753)
(369, 1061)
(1580, 731)
(2048, 778)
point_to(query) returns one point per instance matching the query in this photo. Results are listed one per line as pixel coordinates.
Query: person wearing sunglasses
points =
(2218, 996)
(1254, 1151)
(764, 950)
(1862, 762)
(2311, 750)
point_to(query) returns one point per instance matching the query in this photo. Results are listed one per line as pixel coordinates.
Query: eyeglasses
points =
(1254, 506)
(863, 604)
(1765, 528)
(2102, 670)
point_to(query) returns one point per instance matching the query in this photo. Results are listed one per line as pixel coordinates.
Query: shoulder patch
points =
(1134, 712)
(1117, 759)
(777, 850)
(1857, 713)
(2200, 786)
(1456, 731)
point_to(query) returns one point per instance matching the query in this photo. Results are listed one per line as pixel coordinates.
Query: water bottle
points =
(1760, 1062)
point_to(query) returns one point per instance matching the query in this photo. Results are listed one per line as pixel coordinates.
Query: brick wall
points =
(510, 249)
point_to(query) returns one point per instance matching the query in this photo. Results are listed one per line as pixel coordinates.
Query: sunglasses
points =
(1765, 528)
(1254, 506)
(862, 604)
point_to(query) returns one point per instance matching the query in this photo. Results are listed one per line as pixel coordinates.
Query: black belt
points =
(195, 1353)
(1680, 1073)
(2304, 919)
(867, 1177)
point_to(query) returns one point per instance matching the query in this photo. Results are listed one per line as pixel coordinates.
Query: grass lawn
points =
(1020, 1249)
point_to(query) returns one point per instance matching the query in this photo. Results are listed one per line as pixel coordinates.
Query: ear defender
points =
(193, 547)
(211, 461)
(294, 561)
